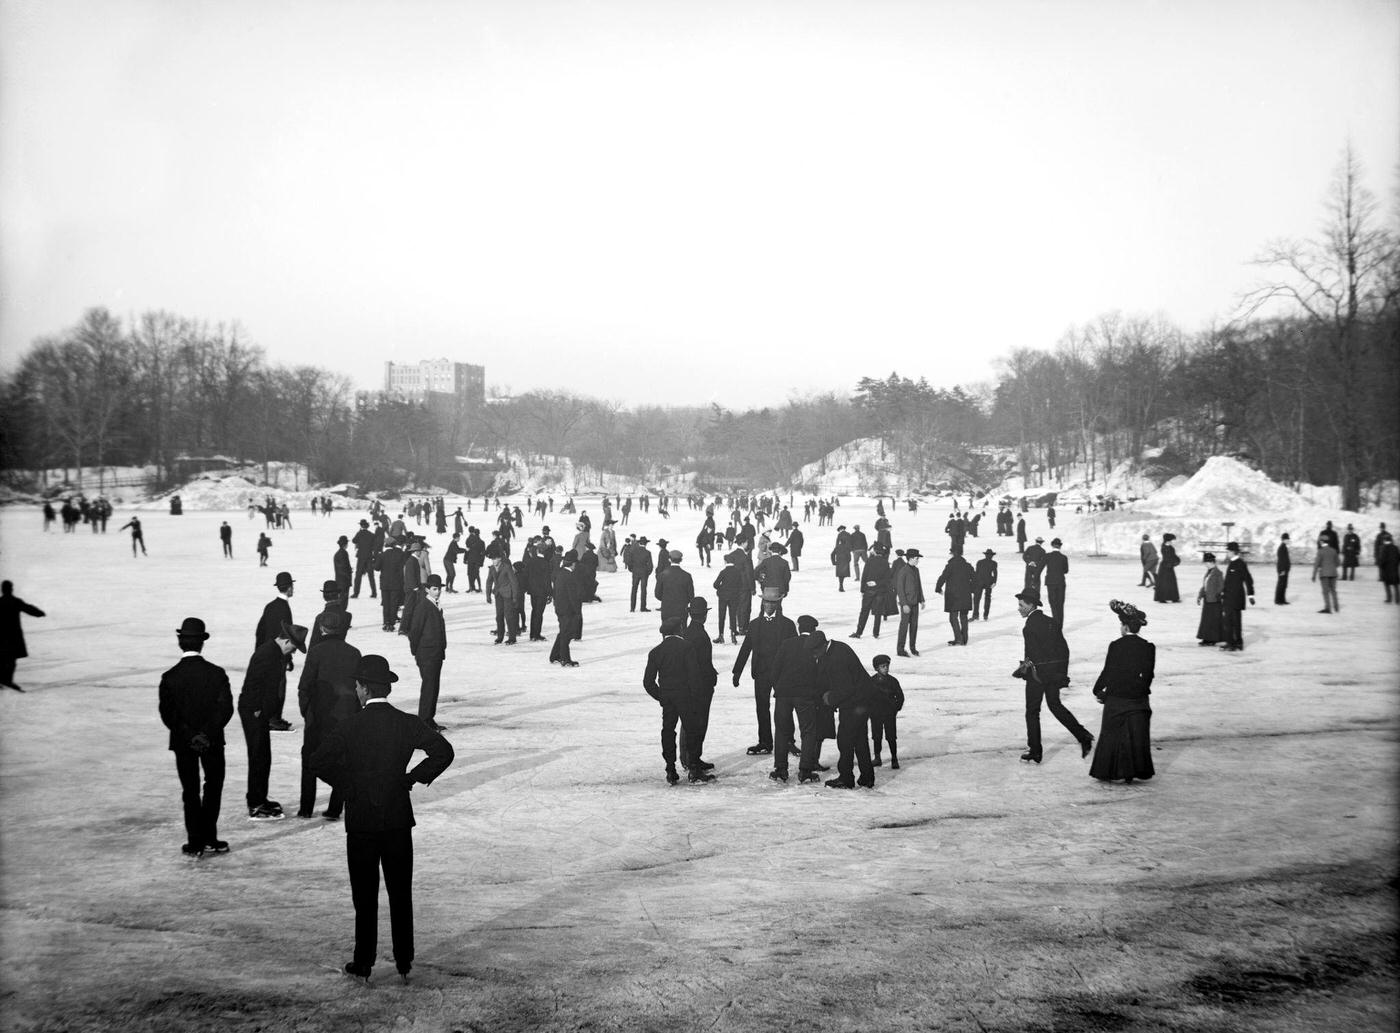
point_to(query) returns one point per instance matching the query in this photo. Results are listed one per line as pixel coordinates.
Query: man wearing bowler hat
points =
(326, 697)
(427, 640)
(344, 572)
(333, 603)
(266, 678)
(195, 704)
(275, 614)
(909, 595)
(983, 581)
(365, 758)
(1046, 671)
(1056, 566)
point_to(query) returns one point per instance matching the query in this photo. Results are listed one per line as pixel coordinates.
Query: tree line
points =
(1302, 382)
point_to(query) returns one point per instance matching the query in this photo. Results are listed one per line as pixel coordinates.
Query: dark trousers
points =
(507, 618)
(310, 742)
(228, 546)
(804, 709)
(201, 810)
(745, 613)
(677, 709)
(1349, 572)
(411, 599)
(1231, 621)
(639, 590)
(853, 740)
(259, 740)
(431, 671)
(1056, 594)
(957, 619)
(909, 625)
(1035, 691)
(886, 727)
(762, 693)
(537, 605)
(692, 738)
(7, 669)
(568, 628)
(366, 853)
(391, 599)
(1281, 589)
(870, 604)
(449, 583)
(364, 567)
(473, 577)
(732, 608)
(982, 600)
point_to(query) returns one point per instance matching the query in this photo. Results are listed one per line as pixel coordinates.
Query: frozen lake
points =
(561, 885)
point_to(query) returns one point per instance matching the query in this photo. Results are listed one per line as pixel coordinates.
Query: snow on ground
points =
(561, 885)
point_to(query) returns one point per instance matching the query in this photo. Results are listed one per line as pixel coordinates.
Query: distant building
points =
(415, 381)
(451, 389)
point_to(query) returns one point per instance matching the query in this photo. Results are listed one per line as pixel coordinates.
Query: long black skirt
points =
(1166, 590)
(1212, 628)
(1124, 749)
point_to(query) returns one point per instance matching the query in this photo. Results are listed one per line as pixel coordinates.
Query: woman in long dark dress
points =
(1212, 626)
(1124, 747)
(1167, 591)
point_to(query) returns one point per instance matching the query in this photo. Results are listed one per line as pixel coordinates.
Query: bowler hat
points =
(364, 523)
(1208, 558)
(374, 669)
(284, 580)
(571, 556)
(1055, 543)
(296, 633)
(192, 627)
(699, 605)
(342, 540)
(643, 540)
(988, 552)
(1039, 540)
(1029, 595)
(330, 588)
(662, 541)
(434, 581)
(912, 554)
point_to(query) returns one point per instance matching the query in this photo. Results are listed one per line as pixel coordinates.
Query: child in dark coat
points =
(882, 721)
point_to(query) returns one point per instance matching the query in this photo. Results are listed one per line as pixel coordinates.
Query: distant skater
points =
(12, 647)
(137, 538)
(226, 538)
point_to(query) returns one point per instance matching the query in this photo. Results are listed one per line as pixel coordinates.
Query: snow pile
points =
(213, 492)
(1225, 486)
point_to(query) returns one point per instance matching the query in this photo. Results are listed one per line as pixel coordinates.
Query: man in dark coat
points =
(427, 641)
(1329, 534)
(747, 586)
(1046, 671)
(475, 557)
(390, 563)
(225, 537)
(1034, 558)
(692, 741)
(796, 689)
(1021, 535)
(874, 587)
(1239, 584)
(506, 588)
(326, 697)
(640, 566)
(955, 585)
(728, 584)
(195, 704)
(1283, 563)
(1351, 553)
(674, 588)
(773, 573)
(568, 611)
(672, 678)
(846, 688)
(859, 545)
(276, 615)
(539, 575)
(984, 579)
(1056, 566)
(769, 630)
(344, 571)
(331, 603)
(364, 758)
(909, 597)
(412, 582)
(364, 560)
(264, 681)
(796, 541)
(12, 646)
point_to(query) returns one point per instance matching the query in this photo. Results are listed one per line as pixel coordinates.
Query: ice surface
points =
(561, 885)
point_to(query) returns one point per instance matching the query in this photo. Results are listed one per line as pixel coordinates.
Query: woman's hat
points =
(1128, 613)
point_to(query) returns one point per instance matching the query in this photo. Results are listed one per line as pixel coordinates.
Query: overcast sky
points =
(658, 201)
